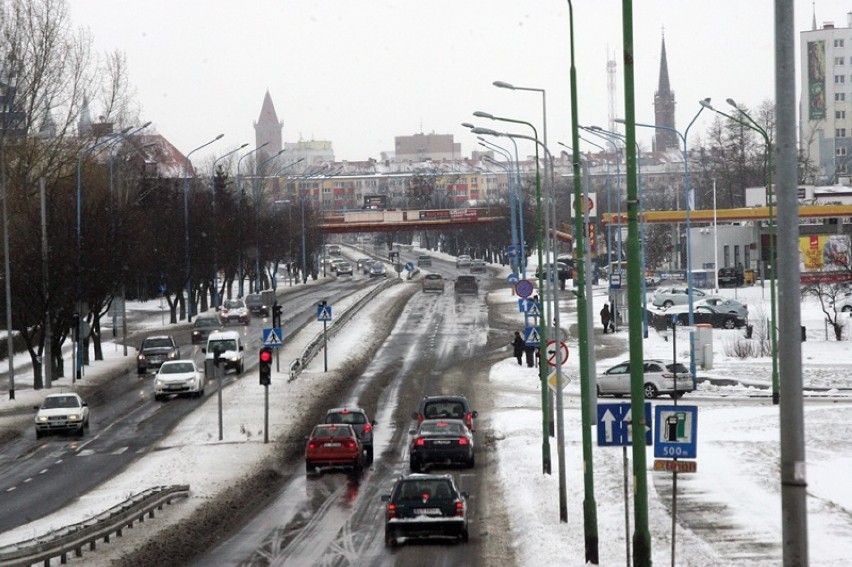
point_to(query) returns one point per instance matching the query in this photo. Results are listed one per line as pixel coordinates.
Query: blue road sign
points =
(614, 425)
(273, 337)
(409, 266)
(323, 312)
(513, 250)
(529, 306)
(531, 336)
(615, 281)
(512, 279)
(676, 432)
(524, 288)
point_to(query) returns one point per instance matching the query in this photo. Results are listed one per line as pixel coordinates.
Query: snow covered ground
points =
(737, 451)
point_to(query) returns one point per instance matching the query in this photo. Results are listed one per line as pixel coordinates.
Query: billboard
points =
(816, 80)
(824, 253)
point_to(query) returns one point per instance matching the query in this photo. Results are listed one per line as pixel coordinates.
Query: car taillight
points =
(459, 508)
(312, 445)
(419, 418)
(463, 441)
(420, 442)
(391, 510)
(469, 419)
(350, 444)
(368, 428)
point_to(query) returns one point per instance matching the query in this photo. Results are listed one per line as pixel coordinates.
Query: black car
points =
(203, 326)
(445, 407)
(731, 277)
(466, 285)
(155, 350)
(441, 441)
(425, 506)
(357, 418)
(704, 314)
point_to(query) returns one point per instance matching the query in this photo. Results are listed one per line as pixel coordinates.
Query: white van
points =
(232, 350)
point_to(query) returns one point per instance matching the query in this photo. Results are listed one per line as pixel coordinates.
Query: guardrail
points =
(72, 539)
(316, 343)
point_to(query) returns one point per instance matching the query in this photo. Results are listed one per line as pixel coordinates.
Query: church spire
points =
(268, 129)
(664, 85)
(664, 107)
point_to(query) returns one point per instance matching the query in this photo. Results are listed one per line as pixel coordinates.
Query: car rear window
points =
(423, 490)
(332, 431)
(433, 277)
(679, 368)
(449, 427)
(352, 418)
(157, 343)
(434, 410)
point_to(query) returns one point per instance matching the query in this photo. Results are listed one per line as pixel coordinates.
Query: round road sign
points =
(524, 288)
(512, 279)
(552, 351)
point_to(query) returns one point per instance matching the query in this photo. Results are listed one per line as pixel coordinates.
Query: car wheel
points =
(39, 434)
(599, 391)
(369, 455)
(240, 369)
(158, 398)
(650, 391)
(140, 371)
(464, 537)
(86, 425)
(81, 430)
(668, 303)
(847, 308)
(729, 323)
(390, 539)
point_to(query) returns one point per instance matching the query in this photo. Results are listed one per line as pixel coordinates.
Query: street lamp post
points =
(773, 332)
(688, 204)
(258, 170)
(189, 301)
(213, 201)
(240, 218)
(513, 192)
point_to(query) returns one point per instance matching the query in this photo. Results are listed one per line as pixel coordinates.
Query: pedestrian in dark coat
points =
(518, 346)
(605, 317)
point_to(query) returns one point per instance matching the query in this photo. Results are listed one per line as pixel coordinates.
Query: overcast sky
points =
(359, 72)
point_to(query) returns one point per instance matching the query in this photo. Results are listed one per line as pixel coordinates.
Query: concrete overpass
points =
(408, 220)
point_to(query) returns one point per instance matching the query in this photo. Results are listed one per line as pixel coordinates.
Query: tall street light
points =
(240, 218)
(513, 199)
(78, 369)
(289, 227)
(258, 170)
(773, 332)
(189, 301)
(689, 204)
(213, 200)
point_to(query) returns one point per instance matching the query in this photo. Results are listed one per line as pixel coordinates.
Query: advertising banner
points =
(816, 80)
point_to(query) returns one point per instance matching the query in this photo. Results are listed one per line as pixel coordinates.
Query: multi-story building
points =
(826, 101)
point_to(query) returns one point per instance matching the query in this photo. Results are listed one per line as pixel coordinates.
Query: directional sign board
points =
(514, 250)
(552, 349)
(273, 337)
(614, 424)
(323, 312)
(531, 336)
(676, 432)
(615, 281)
(524, 288)
(409, 266)
(530, 307)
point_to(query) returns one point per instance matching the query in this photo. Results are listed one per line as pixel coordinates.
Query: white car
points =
(178, 377)
(463, 261)
(231, 350)
(668, 296)
(234, 311)
(660, 377)
(62, 412)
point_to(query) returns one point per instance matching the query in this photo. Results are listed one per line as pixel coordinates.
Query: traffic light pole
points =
(217, 371)
(266, 414)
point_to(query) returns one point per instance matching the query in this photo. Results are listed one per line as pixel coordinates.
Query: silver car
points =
(725, 305)
(674, 295)
(660, 377)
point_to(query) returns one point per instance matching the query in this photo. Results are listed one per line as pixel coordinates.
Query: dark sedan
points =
(443, 442)
(425, 506)
(704, 314)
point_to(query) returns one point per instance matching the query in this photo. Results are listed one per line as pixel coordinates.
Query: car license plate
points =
(441, 442)
(332, 444)
(427, 511)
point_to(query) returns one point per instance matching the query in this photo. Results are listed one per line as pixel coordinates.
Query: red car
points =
(334, 445)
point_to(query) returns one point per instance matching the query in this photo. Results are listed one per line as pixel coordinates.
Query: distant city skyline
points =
(359, 74)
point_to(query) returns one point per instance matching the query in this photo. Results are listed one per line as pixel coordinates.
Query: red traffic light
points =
(266, 355)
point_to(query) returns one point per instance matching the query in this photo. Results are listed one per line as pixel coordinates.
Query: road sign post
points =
(324, 315)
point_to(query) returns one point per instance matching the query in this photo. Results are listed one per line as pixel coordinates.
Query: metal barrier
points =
(73, 538)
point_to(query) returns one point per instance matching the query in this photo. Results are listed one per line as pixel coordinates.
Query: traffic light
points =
(276, 314)
(217, 355)
(265, 366)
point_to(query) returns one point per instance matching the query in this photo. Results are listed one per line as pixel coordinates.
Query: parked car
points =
(660, 377)
(234, 311)
(562, 272)
(377, 270)
(724, 304)
(333, 445)
(478, 266)
(676, 295)
(62, 412)
(704, 314)
(230, 345)
(433, 282)
(441, 441)
(730, 277)
(154, 351)
(424, 260)
(203, 326)
(463, 261)
(425, 506)
(466, 285)
(445, 407)
(178, 377)
(260, 303)
(363, 426)
(343, 269)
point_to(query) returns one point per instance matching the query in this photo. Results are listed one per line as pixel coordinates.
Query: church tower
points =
(664, 108)
(268, 129)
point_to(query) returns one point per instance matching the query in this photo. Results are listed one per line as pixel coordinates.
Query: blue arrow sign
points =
(273, 337)
(323, 312)
(409, 266)
(676, 432)
(614, 428)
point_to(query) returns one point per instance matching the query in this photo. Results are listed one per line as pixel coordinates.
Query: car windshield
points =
(177, 368)
(331, 431)
(352, 418)
(157, 343)
(253, 299)
(423, 490)
(222, 345)
(60, 402)
(444, 409)
(433, 277)
(447, 427)
(206, 322)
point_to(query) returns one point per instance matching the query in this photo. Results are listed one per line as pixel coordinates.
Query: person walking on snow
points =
(605, 317)
(518, 346)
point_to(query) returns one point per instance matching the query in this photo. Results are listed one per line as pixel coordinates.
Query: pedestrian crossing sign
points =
(323, 312)
(532, 337)
(273, 337)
